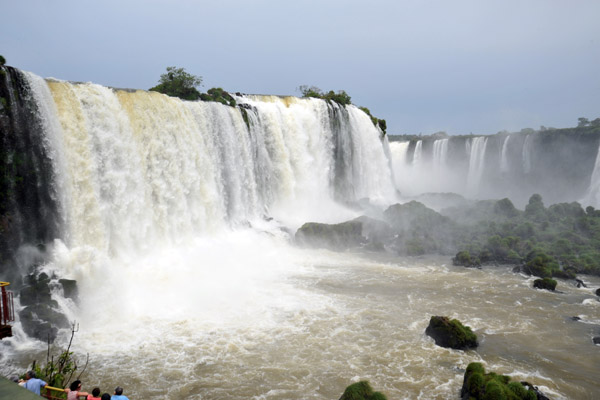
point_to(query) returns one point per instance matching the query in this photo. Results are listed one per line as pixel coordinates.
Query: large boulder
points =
(69, 287)
(42, 322)
(546, 283)
(333, 236)
(479, 385)
(361, 391)
(451, 333)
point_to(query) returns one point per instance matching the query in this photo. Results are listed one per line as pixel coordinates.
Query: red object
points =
(7, 311)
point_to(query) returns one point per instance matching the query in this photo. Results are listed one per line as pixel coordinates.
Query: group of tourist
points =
(74, 392)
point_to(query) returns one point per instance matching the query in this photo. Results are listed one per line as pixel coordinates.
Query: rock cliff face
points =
(28, 210)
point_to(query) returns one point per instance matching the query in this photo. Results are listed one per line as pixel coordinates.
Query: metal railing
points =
(53, 393)
(7, 308)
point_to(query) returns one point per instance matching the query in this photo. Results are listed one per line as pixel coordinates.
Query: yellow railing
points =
(53, 393)
(4, 284)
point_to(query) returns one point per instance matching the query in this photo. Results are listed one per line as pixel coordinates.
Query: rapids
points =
(245, 316)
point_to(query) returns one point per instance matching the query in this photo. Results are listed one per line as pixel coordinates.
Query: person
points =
(32, 383)
(95, 394)
(119, 394)
(105, 396)
(73, 392)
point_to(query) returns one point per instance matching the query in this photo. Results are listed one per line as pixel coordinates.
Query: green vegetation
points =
(545, 283)
(2, 60)
(361, 391)
(219, 95)
(451, 333)
(178, 83)
(341, 97)
(59, 373)
(479, 385)
(376, 121)
(559, 241)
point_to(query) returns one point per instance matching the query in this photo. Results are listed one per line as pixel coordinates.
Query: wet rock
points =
(546, 283)
(70, 289)
(37, 291)
(580, 283)
(598, 292)
(575, 318)
(42, 322)
(333, 236)
(596, 339)
(538, 392)
(451, 333)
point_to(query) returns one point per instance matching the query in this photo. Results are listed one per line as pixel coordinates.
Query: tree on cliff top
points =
(178, 83)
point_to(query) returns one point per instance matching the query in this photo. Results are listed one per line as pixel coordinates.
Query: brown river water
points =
(276, 332)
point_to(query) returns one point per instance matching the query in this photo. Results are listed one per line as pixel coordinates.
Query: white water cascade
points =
(527, 149)
(440, 155)
(504, 165)
(477, 147)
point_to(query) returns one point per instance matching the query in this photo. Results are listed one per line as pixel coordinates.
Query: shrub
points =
(478, 385)
(361, 391)
(546, 283)
(178, 83)
(2, 60)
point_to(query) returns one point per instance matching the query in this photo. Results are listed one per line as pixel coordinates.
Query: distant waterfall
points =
(504, 155)
(476, 163)
(399, 153)
(527, 147)
(440, 154)
(418, 153)
(592, 197)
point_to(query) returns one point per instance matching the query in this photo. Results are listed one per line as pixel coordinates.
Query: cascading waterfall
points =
(399, 155)
(137, 168)
(476, 163)
(527, 149)
(592, 195)
(418, 154)
(440, 155)
(504, 166)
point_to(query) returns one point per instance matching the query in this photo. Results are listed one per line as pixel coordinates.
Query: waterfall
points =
(133, 168)
(476, 164)
(440, 155)
(399, 154)
(592, 197)
(526, 153)
(504, 155)
(418, 154)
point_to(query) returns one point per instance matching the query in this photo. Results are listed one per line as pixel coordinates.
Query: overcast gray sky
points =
(459, 66)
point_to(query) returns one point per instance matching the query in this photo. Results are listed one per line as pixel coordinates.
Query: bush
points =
(546, 283)
(478, 385)
(361, 391)
(178, 83)
(2, 60)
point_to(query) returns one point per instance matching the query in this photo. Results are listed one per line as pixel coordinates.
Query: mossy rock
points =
(451, 333)
(70, 289)
(361, 391)
(546, 283)
(479, 385)
(42, 322)
(465, 259)
(333, 236)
